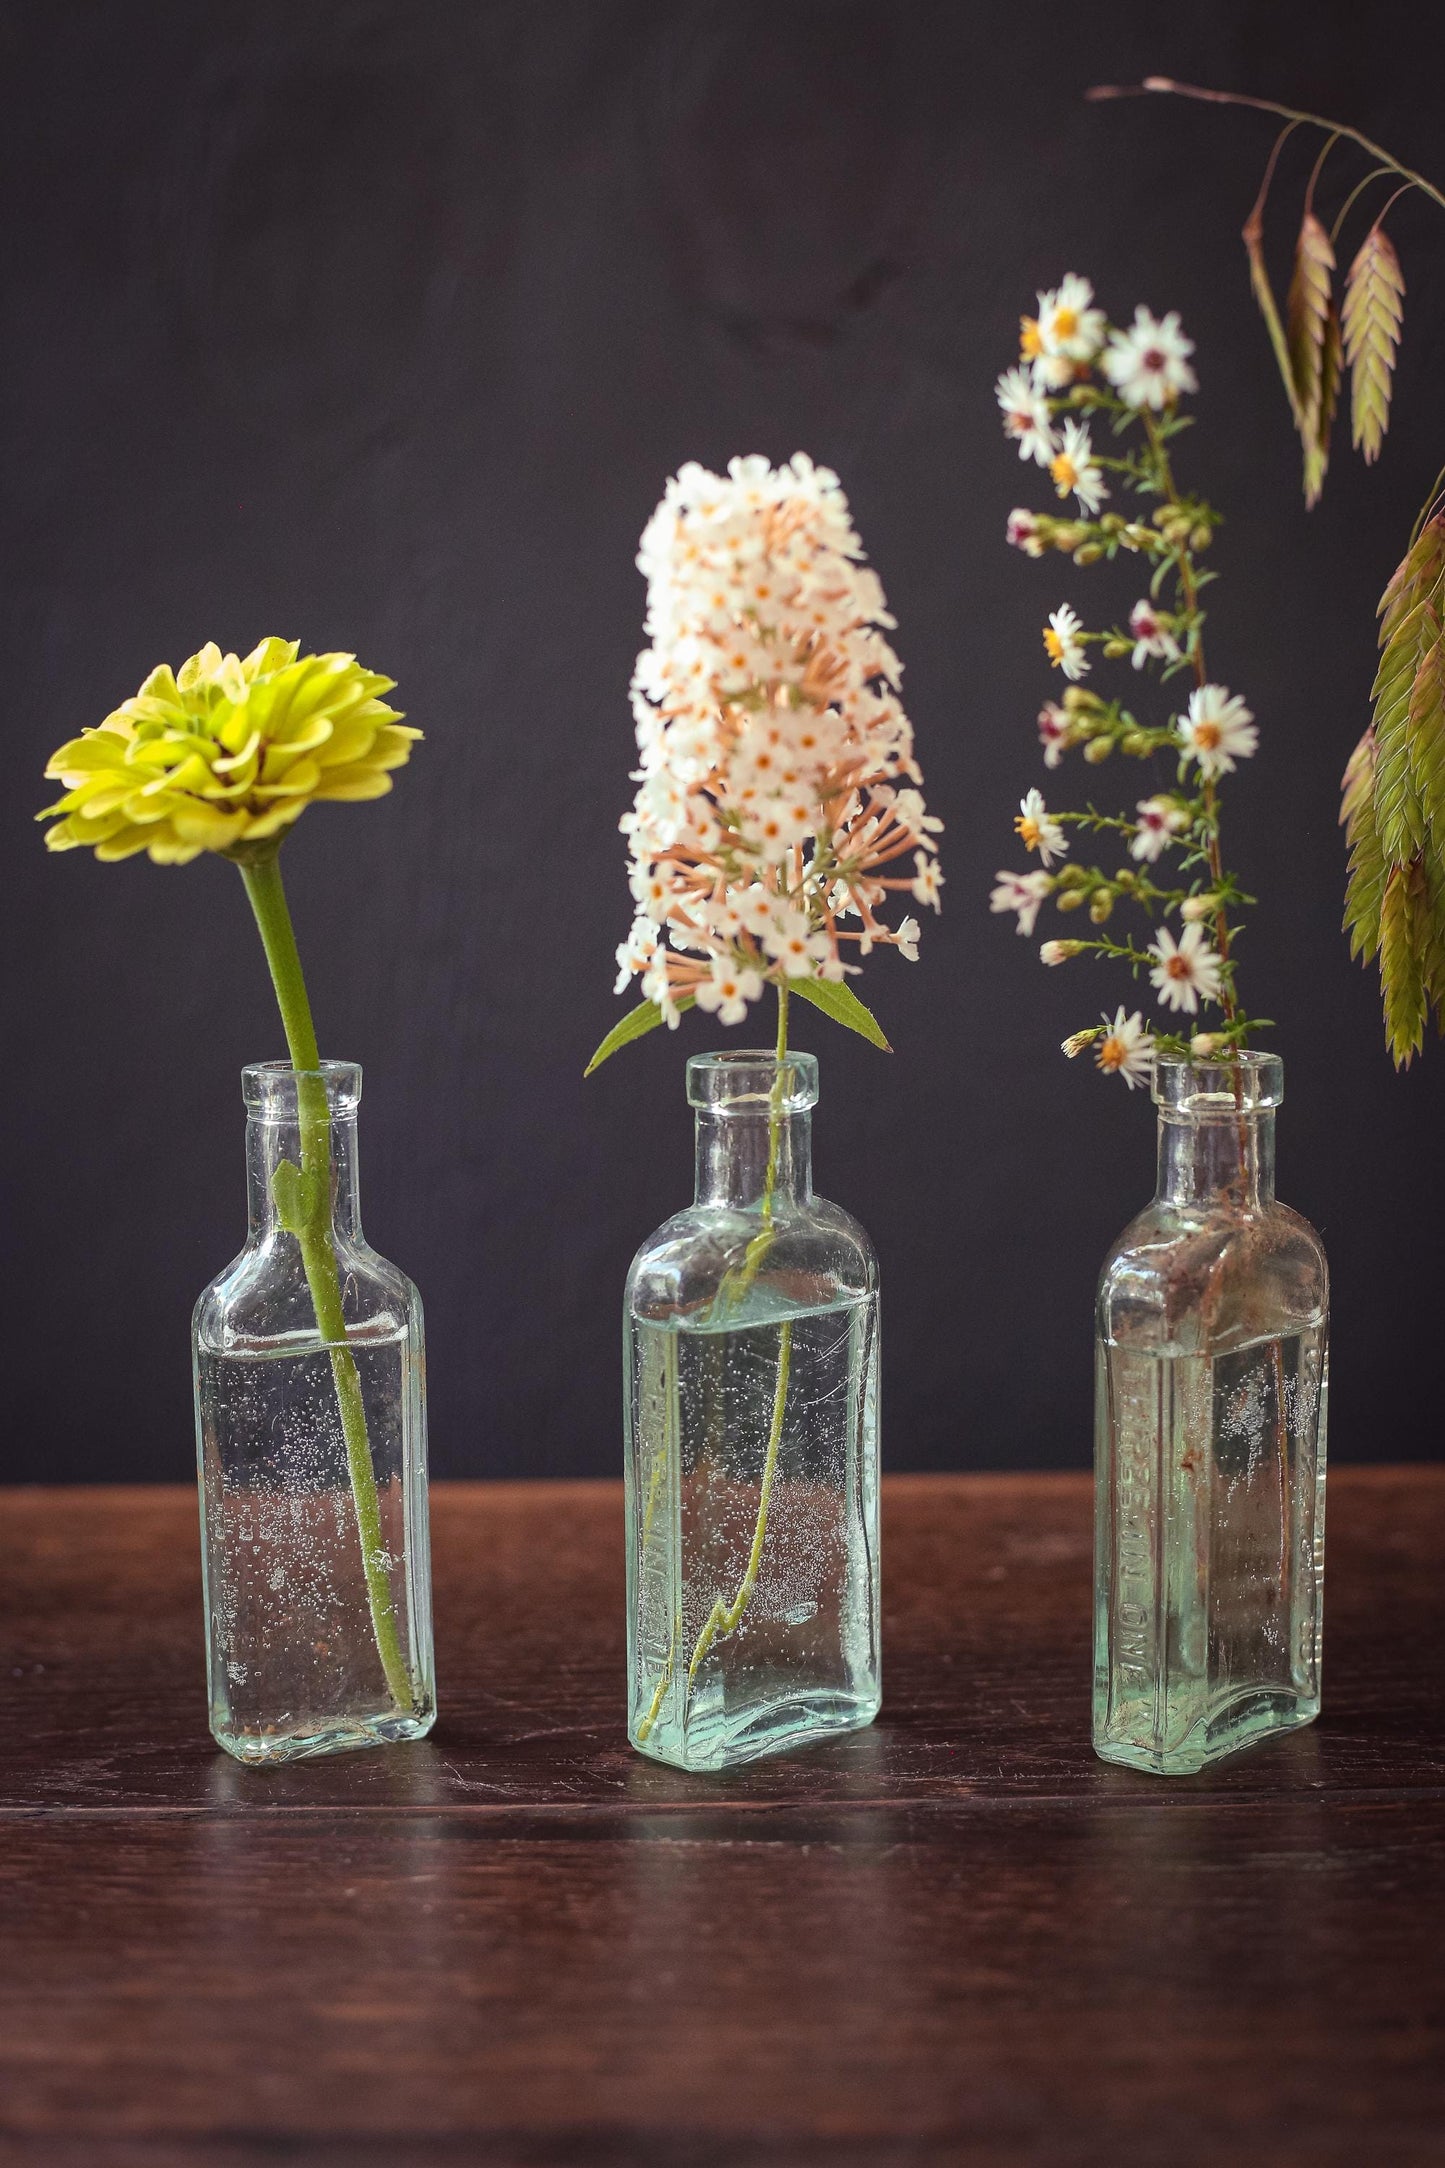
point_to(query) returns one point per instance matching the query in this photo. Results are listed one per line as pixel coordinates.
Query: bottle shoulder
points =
(811, 1254)
(1213, 1275)
(263, 1295)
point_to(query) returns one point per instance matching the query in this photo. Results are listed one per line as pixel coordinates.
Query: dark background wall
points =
(381, 324)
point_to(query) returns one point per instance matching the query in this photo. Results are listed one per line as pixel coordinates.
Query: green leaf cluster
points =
(833, 996)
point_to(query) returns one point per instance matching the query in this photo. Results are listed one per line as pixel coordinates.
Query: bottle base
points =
(1247, 1721)
(709, 1743)
(388, 1728)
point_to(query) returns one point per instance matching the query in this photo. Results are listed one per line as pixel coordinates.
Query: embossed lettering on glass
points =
(1210, 1444)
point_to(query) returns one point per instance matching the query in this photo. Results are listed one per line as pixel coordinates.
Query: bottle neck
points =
(1219, 1158)
(735, 1149)
(269, 1143)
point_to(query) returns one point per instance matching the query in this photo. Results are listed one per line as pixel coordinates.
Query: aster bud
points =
(1078, 700)
(1089, 554)
(1200, 537)
(1135, 744)
(1116, 647)
(1069, 899)
(1059, 952)
(1098, 749)
(1102, 907)
(1204, 1044)
(1194, 908)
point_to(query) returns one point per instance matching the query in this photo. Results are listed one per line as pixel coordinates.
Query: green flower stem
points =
(1184, 566)
(262, 877)
(724, 1618)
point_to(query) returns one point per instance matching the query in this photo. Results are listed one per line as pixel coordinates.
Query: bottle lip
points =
(1250, 1083)
(743, 1081)
(270, 1088)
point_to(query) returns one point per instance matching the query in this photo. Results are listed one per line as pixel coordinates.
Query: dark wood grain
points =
(954, 1937)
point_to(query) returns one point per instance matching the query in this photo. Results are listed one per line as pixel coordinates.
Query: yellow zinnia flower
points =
(223, 754)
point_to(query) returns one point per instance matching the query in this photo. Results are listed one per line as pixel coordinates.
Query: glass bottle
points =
(311, 1442)
(752, 1440)
(1210, 1440)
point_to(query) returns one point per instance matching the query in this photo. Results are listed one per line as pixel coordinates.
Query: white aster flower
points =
(1187, 972)
(1147, 364)
(1062, 644)
(1152, 635)
(1023, 893)
(1125, 1049)
(1037, 831)
(1056, 952)
(927, 880)
(906, 940)
(1160, 819)
(1025, 415)
(728, 991)
(1054, 732)
(1022, 532)
(1074, 467)
(1069, 331)
(1218, 730)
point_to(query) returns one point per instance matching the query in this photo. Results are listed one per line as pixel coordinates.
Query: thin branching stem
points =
(1166, 86)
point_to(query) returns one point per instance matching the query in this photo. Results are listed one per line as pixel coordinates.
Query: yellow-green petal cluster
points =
(224, 754)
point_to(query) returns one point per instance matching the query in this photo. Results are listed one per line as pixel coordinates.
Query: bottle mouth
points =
(1249, 1084)
(271, 1088)
(747, 1082)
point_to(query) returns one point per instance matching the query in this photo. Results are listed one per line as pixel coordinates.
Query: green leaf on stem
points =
(635, 1025)
(297, 1196)
(836, 999)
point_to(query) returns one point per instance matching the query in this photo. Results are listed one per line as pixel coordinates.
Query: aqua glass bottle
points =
(1210, 1442)
(311, 1442)
(752, 1440)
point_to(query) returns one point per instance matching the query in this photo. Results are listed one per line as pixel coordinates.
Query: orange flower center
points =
(1028, 830)
(1179, 967)
(1113, 1053)
(1029, 340)
(1064, 472)
(1053, 644)
(1207, 735)
(1066, 323)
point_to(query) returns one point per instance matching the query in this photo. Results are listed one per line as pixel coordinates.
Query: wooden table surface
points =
(956, 1937)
